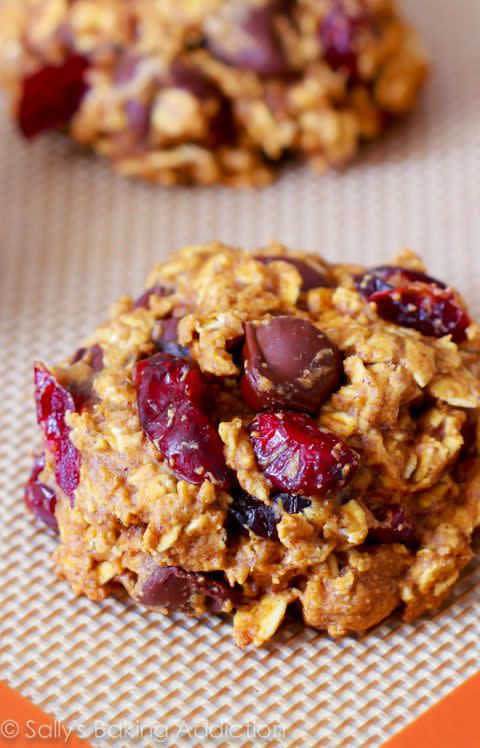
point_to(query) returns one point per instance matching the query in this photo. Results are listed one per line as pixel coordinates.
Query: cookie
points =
(210, 91)
(267, 432)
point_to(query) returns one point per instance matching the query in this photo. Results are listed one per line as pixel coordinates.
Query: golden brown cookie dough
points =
(267, 431)
(210, 90)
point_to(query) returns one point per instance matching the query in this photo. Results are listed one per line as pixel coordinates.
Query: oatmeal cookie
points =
(267, 431)
(213, 90)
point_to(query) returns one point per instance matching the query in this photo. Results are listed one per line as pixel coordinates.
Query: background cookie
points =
(212, 91)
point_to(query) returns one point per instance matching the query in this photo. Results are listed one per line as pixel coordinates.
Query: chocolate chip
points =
(167, 341)
(93, 356)
(288, 362)
(311, 277)
(262, 519)
(143, 301)
(127, 69)
(293, 504)
(247, 512)
(172, 587)
(138, 116)
(221, 130)
(192, 80)
(245, 35)
(82, 390)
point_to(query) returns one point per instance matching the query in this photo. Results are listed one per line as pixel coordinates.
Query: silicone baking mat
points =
(73, 237)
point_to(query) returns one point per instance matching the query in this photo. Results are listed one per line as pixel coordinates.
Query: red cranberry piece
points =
(391, 276)
(338, 33)
(172, 397)
(163, 380)
(53, 403)
(393, 526)
(51, 96)
(172, 587)
(428, 309)
(193, 447)
(413, 299)
(222, 130)
(244, 34)
(40, 498)
(167, 341)
(311, 277)
(289, 363)
(299, 458)
(143, 301)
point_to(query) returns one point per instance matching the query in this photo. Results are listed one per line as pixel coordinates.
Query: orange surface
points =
(24, 725)
(451, 723)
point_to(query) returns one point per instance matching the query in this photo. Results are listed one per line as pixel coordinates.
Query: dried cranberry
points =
(193, 447)
(244, 34)
(51, 96)
(299, 458)
(288, 362)
(260, 518)
(167, 341)
(412, 299)
(53, 403)
(163, 380)
(338, 33)
(40, 498)
(172, 397)
(310, 275)
(172, 587)
(143, 301)
(384, 277)
(430, 310)
(392, 526)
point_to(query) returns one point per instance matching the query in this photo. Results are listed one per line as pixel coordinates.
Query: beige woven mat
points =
(73, 237)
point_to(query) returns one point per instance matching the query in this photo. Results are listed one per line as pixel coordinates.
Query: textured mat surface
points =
(72, 238)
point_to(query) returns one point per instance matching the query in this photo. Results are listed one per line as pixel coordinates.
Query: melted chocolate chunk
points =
(289, 363)
(245, 35)
(310, 275)
(172, 587)
(249, 513)
(143, 301)
(167, 341)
